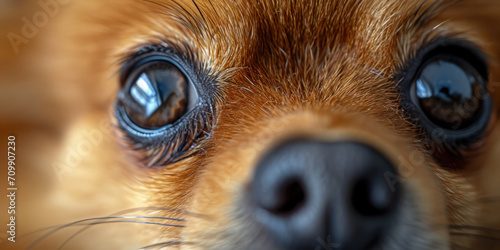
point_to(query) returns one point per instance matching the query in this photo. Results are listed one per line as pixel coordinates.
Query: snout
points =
(307, 192)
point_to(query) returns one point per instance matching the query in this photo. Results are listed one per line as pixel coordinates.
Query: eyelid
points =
(468, 50)
(150, 58)
(176, 141)
(454, 142)
(138, 61)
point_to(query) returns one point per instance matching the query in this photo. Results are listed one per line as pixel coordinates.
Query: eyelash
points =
(173, 143)
(443, 45)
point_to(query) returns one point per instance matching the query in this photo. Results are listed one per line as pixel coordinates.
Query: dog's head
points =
(276, 124)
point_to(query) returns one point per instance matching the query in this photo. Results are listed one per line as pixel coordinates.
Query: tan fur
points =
(322, 69)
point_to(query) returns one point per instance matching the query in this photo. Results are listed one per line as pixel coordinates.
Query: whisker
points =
(161, 245)
(89, 225)
(99, 218)
(126, 211)
(471, 227)
(485, 237)
(173, 210)
(58, 228)
(131, 221)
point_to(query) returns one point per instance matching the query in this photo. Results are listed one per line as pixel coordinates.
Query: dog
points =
(195, 124)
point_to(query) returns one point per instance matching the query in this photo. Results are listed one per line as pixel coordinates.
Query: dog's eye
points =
(158, 94)
(450, 92)
(164, 105)
(445, 92)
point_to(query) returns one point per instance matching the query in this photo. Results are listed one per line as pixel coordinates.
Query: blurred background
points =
(37, 111)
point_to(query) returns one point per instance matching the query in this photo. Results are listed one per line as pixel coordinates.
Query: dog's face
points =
(267, 124)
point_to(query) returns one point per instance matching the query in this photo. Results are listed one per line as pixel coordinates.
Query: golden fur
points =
(324, 69)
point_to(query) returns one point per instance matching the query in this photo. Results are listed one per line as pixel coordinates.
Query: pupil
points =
(450, 93)
(158, 97)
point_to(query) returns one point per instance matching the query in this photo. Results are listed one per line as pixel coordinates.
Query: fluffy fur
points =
(316, 68)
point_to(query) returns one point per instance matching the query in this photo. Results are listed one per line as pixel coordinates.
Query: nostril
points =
(304, 190)
(371, 196)
(289, 198)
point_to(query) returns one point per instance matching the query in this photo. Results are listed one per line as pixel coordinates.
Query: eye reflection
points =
(144, 94)
(159, 96)
(450, 93)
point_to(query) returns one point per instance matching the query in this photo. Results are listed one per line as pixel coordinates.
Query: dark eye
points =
(444, 92)
(157, 94)
(450, 92)
(164, 104)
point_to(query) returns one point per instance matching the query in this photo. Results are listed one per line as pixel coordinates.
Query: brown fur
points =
(323, 69)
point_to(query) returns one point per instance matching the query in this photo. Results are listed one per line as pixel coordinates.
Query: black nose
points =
(311, 193)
